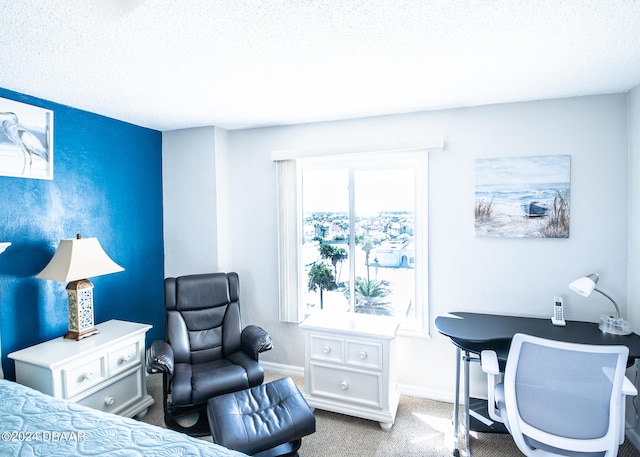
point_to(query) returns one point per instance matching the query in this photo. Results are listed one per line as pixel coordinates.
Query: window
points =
(354, 235)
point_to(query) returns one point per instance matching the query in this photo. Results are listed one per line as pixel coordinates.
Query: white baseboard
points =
(428, 394)
(289, 370)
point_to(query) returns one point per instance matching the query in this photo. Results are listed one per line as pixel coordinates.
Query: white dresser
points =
(104, 371)
(350, 365)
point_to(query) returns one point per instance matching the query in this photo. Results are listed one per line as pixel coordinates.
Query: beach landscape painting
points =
(523, 197)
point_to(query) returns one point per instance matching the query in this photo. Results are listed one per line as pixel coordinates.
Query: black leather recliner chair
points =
(206, 352)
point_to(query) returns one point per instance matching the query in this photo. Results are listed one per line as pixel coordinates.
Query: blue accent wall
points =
(107, 184)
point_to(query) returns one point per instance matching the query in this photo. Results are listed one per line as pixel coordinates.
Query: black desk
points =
(472, 333)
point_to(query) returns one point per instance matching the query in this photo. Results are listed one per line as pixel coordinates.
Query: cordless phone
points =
(558, 312)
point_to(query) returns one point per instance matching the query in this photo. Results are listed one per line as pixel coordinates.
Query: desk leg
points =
(467, 366)
(456, 406)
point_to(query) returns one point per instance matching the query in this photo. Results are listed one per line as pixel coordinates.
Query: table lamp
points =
(608, 324)
(74, 261)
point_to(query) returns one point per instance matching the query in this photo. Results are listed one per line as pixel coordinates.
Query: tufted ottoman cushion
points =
(266, 420)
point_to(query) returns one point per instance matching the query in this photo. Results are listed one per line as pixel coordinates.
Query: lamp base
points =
(609, 324)
(80, 295)
(73, 335)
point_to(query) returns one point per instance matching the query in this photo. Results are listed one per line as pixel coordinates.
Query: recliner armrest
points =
(255, 340)
(160, 358)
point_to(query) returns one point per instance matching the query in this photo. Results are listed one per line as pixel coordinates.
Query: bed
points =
(34, 424)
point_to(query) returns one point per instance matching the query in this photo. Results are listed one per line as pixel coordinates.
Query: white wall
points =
(223, 178)
(189, 201)
(511, 276)
(633, 277)
(633, 294)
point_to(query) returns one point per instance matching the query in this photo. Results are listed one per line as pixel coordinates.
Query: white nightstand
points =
(350, 365)
(104, 371)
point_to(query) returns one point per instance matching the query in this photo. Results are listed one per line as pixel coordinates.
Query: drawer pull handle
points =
(326, 349)
(124, 359)
(344, 385)
(362, 355)
(109, 401)
(87, 376)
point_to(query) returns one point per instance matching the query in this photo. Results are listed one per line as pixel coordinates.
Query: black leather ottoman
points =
(264, 421)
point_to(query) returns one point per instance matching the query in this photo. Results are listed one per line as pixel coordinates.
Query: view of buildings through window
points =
(359, 249)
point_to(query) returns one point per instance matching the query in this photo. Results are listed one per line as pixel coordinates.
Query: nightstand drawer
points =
(116, 396)
(364, 354)
(124, 358)
(327, 349)
(354, 386)
(82, 377)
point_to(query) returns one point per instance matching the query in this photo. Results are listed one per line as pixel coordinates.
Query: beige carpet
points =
(422, 428)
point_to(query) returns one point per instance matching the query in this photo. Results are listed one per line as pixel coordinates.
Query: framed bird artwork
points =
(26, 140)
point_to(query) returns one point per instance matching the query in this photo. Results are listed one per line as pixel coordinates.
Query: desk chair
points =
(560, 399)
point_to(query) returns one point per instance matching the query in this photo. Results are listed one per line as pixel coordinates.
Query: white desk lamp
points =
(608, 324)
(73, 261)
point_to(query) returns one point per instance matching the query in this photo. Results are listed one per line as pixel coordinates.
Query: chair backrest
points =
(203, 316)
(564, 395)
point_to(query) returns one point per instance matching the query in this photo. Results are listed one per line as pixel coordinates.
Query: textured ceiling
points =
(169, 64)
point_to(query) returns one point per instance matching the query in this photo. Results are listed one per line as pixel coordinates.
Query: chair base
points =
(198, 429)
(173, 414)
(289, 449)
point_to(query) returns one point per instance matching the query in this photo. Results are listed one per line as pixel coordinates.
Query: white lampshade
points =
(585, 285)
(78, 258)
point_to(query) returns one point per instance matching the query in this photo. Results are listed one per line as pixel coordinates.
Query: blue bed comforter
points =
(34, 424)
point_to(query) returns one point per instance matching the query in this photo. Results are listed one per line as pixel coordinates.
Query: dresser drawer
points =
(354, 386)
(326, 348)
(116, 396)
(364, 354)
(82, 377)
(123, 358)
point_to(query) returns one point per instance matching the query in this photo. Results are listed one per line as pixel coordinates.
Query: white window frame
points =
(290, 237)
